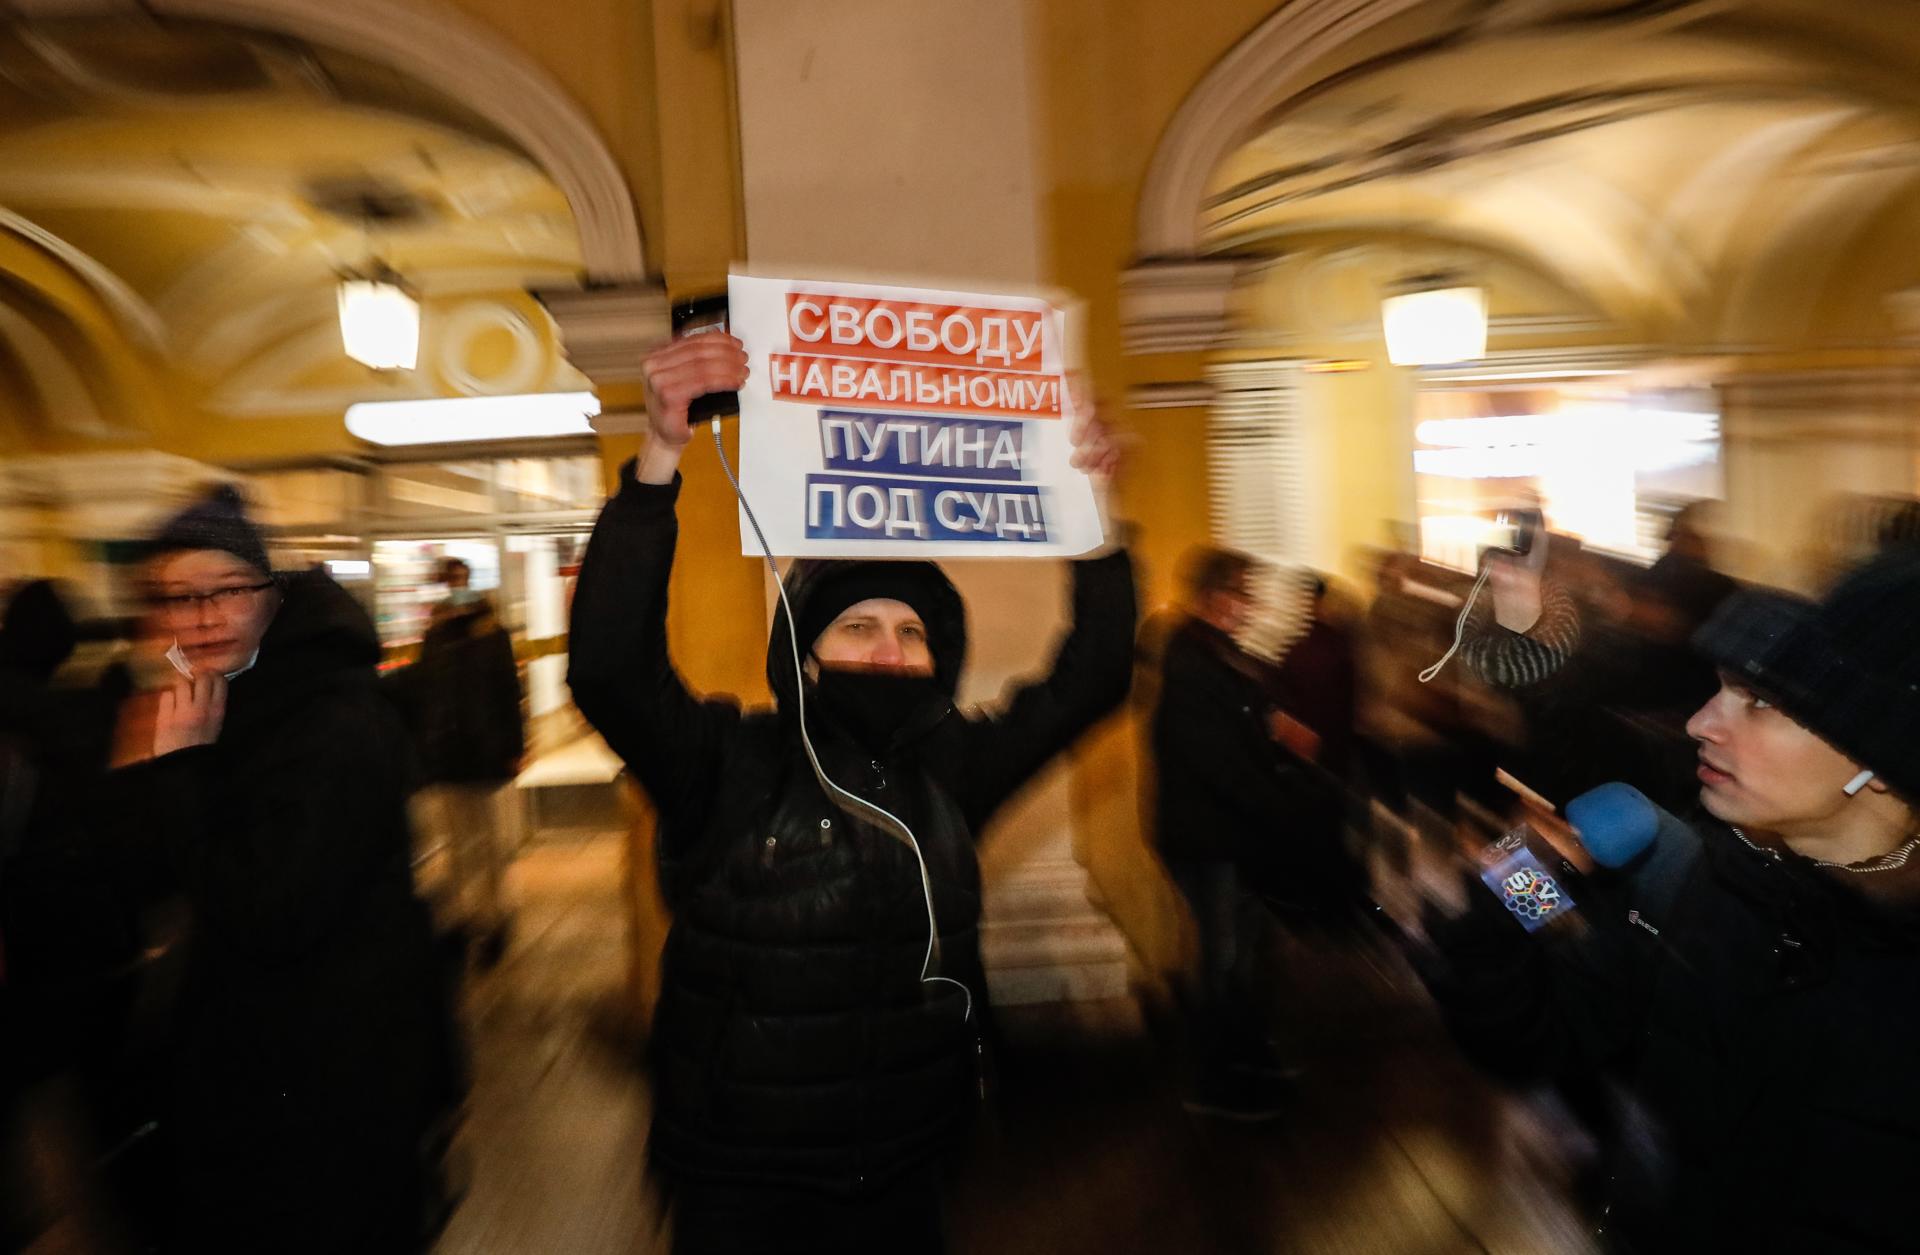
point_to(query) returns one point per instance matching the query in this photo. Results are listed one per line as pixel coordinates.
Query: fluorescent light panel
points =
(459, 420)
(1435, 327)
(1603, 423)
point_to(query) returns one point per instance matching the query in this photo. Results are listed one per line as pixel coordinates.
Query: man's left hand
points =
(1095, 449)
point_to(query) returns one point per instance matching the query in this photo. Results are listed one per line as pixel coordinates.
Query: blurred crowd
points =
(1645, 835)
(230, 1022)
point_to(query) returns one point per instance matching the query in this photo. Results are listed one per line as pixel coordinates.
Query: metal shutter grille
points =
(1254, 489)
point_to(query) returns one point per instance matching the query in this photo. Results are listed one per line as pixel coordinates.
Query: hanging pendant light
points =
(1434, 320)
(379, 320)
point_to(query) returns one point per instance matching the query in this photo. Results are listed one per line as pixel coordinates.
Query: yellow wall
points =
(1111, 75)
(602, 52)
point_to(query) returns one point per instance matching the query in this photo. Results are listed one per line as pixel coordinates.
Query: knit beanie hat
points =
(916, 584)
(1847, 668)
(819, 590)
(218, 520)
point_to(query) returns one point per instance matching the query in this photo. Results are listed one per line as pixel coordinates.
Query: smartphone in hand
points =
(698, 317)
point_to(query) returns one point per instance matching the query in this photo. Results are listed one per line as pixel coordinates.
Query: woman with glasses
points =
(264, 781)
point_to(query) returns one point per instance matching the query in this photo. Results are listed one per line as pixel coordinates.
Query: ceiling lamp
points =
(458, 420)
(1434, 320)
(379, 320)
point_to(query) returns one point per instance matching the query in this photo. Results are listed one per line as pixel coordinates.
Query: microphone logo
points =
(1531, 894)
(1523, 884)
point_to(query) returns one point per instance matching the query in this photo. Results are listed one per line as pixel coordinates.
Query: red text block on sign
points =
(906, 331)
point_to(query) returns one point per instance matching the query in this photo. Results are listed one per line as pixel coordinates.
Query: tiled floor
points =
(556, 1140)
(1394, 1148)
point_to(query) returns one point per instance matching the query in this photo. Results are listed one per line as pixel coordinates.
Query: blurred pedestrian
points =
(464, 696)
(1673, 599)
(1900, 528)
(265, 778)
(1241, 820)
(808, 1081)
(71, 944)
(1317, 680)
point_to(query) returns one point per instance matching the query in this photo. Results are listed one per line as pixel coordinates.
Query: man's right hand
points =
(684, 370)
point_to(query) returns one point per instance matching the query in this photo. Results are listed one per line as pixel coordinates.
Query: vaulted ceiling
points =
(177, 201)
(1712, 172)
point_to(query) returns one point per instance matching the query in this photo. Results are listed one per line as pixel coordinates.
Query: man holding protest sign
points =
(817, 1043)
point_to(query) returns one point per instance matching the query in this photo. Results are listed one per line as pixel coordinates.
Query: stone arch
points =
(1215, 116)
(437, 45)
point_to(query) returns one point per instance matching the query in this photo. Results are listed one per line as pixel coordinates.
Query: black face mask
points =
(874, 706)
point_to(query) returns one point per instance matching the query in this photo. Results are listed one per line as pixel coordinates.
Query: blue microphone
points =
(1650, 849)
(1616, 823)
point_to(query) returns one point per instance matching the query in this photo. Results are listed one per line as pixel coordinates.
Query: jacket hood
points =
(945, 615)
(318, 628)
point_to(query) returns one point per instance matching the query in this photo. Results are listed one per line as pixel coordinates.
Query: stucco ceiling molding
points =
(442, 48)
(135, 316)
(64, 397)
(1217, 116)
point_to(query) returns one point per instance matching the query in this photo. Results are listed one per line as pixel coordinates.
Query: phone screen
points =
(1531, 893)
(703, 316)
(706, 313)
(1516, 531)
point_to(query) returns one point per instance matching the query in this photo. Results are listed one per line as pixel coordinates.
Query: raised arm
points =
(619, 670)
(1567, 674)
(1091, 671)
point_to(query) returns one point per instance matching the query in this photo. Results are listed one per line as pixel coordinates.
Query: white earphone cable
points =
(1459, 627)
(847, 801)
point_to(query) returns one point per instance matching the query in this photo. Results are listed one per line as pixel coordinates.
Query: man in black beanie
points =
(1757, 985)
(807, 1080)
(265, 782)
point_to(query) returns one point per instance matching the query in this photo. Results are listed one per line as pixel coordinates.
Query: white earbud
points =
(1858, 783)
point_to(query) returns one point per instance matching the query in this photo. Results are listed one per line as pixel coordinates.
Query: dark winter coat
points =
(1767, 1015)
(311, 1028)
(68, 933)
(794, 1041)
(1316, 683)
(1224, 789)
(463, 697)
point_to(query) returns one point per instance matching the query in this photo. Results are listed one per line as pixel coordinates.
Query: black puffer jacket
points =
(1765, 1010)
(463, 698)
(1225, 790)
(311, 1041)
(794, 1041)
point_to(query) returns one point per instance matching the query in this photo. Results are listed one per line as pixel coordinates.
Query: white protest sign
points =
(883, 422)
